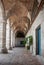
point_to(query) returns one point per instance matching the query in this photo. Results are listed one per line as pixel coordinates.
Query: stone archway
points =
(19, 38)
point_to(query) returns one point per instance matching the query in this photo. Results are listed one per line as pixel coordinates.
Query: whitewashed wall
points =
(38, 21)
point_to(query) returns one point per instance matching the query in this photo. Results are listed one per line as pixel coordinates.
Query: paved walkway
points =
(18, 56)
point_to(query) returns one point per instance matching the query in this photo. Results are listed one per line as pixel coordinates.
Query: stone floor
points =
(18, 56)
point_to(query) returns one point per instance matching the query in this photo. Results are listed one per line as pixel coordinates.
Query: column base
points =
(10, 48)
(4, 50)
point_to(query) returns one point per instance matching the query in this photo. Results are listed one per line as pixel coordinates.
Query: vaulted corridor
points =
(19, 56)
(21, 32)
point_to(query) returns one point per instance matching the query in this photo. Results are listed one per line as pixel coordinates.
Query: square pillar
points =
(12, 38)
(10, 47)
(3, 24)
(4, 49)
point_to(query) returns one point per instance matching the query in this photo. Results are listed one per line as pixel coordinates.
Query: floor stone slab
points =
(18, 56)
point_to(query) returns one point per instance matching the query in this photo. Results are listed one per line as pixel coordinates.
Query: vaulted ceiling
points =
(17, 12)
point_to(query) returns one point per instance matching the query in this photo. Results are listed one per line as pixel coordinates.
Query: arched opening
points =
(19, 39)
(20, 34)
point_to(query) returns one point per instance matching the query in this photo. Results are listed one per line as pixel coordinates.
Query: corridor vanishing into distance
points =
(21, 32)
(19, 56)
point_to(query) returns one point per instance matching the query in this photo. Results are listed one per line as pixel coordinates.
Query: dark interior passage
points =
(19, 39)
(20, 34)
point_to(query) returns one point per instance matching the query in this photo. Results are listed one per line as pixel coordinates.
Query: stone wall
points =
(38, 21)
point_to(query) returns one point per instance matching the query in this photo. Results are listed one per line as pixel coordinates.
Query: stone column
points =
(13, 39)
(4, 49)
(3, 21)
(10, 48)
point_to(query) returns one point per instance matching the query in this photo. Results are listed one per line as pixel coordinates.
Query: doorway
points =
(38, 40)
